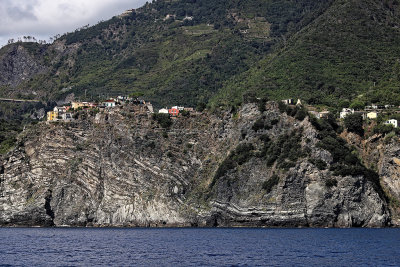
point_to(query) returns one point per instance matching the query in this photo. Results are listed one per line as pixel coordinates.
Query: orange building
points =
(173, 111)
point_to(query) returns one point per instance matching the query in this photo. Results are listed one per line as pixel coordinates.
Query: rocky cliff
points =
(120, 168)
(18, 65)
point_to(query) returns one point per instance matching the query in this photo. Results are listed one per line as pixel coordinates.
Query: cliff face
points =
(383, 154)
(17, 65)
(120, 168)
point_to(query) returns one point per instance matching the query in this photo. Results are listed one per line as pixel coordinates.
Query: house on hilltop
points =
(345, 112)
(174, 111)
(288, 101)
(110, 103)
(392, 122)
(373, 115)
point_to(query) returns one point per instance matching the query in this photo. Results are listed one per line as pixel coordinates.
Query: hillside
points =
(349, 53)
(172, 51)
(187, 52)
(119, 167)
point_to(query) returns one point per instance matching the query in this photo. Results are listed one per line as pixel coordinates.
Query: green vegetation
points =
(239, 156)
(354, 123)
(347, 53)
(345, 161)
(286, 150)
(333, 53)
(13, 118)
(319, 163)
(178, 60)
(298, 112)
(163, 119)
(330, 183)
(270, 183)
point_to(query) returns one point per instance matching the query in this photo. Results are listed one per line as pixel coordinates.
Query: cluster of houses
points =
(311, 110)
(370, 112)
(65, 113)
(175, 111)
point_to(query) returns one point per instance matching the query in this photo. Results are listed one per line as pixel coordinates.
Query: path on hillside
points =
(18, 100)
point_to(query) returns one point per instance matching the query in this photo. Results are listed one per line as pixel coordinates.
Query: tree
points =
(357, 105)
(354, 123)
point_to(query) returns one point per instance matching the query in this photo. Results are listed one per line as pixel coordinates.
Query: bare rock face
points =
(119, 168)
(17, 66)
(383, 154)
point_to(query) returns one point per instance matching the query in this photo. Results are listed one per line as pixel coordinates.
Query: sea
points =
(198, 247)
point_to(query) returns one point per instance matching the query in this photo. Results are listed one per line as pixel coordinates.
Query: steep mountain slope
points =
(350, 51)
(251, 168)
(172, 51)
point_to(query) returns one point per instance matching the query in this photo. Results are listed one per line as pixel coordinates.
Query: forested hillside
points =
(348, 54)
(190, 51)
(172, 51)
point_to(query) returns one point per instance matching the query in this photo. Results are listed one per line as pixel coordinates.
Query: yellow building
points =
(76, 105)
(52, 116)
(372, 115)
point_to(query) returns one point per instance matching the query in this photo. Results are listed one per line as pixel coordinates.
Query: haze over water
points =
(199, 247)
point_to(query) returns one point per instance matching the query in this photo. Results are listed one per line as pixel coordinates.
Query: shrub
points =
(287, 165)
(185, 113)
(282, 107)
(242, 153)
(274, 121)
(354, 124)
(270, 183)
(239, 156)
(383, 129)
(6, 145)
(201, 106)
(163, 119)
(258, 125)
(330, 183)
(301, 114)
(223, 168)
(319, 163)
(261, 104)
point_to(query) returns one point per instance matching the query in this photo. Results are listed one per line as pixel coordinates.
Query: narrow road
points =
(18, 100)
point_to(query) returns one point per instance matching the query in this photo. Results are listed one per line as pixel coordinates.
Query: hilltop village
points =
(387, 115)
(68, 112)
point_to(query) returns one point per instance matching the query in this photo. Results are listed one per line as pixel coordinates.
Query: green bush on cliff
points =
(239, 156)
(286, 150)
(270, 183)
(354, 123)
(163, 119)
(6, 145)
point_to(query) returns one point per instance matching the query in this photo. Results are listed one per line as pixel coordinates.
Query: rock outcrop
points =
(17, 65)
(120, 168)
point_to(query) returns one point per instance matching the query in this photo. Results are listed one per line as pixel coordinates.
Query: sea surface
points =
(198, 247)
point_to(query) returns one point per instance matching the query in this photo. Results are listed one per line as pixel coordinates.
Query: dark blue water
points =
(199, 247)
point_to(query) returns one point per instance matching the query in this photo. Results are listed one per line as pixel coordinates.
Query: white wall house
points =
(109, 103)
(345, 112)
(163, 110)
(392, 122)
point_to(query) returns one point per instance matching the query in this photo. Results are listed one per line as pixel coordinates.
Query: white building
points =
(392, 122)
(163, 110)
(345, 112)
(178, 108)
(288, 101)
(109, 103)
(60, 110)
